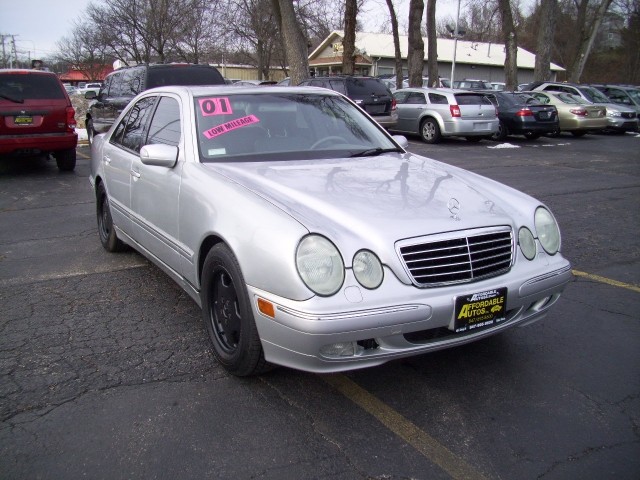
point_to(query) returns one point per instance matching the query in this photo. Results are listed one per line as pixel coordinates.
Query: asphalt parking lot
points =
(106, 371)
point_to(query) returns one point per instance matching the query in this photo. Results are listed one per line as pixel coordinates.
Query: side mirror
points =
(159, 155)
(401, 140)
(90, 95)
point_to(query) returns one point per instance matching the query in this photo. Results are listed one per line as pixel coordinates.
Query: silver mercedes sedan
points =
(310, 237)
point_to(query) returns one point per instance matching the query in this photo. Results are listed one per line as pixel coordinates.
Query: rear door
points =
(410, 106)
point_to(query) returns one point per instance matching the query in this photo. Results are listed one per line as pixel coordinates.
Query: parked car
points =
(36, 117)
(576, 115)
(619, 118)
(621, 95)
(434, 113)
(89, 87)
(521, 114)
(253, 83)
(442, 82)
(123, 84)
(499, 86)
(471, 84)
(70, 89)
(328, 247)
(369, 93)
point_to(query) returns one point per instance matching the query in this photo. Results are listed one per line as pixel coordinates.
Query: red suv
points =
(36, 117)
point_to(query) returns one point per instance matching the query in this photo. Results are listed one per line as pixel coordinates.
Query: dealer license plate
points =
(480, 310)
(23, 120)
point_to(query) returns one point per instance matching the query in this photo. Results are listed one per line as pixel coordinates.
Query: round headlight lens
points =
(548, 231)
(367, 269)
(320, 265)
(527, 243)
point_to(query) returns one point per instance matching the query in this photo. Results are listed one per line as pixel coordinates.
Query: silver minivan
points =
(434, 113)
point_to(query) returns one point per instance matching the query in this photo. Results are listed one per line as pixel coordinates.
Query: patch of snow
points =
(505, 145)
(82, 134)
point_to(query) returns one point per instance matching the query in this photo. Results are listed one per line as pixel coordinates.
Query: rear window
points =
(366, 86)
(471, 99)
(25, 86)
(183, 75)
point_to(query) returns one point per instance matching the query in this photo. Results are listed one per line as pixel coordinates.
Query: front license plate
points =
(480, 310)
(23, 120)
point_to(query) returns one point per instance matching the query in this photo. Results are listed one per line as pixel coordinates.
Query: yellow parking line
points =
(86, 157)
(409, 432)
(606, 280)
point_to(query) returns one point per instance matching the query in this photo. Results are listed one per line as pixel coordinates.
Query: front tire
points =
(66, 159)
(90, 131)
(107, 233)
(430, 131)
(227, 314)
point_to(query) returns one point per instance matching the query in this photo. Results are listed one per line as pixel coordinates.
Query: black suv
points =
(123, 84)
(369, 93)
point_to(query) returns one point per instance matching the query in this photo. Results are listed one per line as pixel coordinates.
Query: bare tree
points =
(588, 30)
(83, 51)
(349, 39)
(415, 56)
(294, 42)
(432, 45)
(510, 39)
(546, 31)
(396, 42)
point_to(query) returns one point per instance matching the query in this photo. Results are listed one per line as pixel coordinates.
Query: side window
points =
(437, 99)
(338, 86)
(131, 130)
(416, 98)
(165, 125)
(115, 88)
(130, 84)
(401, 97)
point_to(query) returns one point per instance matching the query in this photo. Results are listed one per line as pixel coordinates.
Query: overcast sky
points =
(38, 24)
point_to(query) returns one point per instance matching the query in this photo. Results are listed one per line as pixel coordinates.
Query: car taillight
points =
(579, 111)
(455, 110)
(524, 112)
(394, 104)
(71, 119)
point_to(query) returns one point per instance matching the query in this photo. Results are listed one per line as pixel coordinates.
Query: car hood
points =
(382, 199)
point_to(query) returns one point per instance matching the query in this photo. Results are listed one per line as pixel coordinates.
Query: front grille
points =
(628, 114)
(460, 257)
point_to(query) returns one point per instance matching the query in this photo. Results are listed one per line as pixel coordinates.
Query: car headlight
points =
(547, 230)
(367, 269)
(320, 265)
(527, 243)
(613, 113)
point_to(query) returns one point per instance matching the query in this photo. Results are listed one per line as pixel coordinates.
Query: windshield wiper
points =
(373, 152)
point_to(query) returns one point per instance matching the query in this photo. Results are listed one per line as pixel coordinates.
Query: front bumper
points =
(397, 321)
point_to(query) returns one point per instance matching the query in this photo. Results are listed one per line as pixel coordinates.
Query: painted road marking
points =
(608, 281)
(408, 431)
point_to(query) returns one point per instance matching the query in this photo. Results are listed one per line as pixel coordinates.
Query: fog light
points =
(341, 349)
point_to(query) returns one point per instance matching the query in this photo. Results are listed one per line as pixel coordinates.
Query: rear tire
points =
(430, 131)
(66, 160)
(107, 233)
(228, 316)
(501, 134)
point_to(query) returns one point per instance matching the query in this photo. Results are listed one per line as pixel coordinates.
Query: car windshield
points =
(284, 126)
(595, 96)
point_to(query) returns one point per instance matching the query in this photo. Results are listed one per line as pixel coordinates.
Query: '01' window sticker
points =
(222, 106)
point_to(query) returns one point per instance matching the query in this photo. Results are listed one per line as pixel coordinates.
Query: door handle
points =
(107, 159)
(135, 174)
